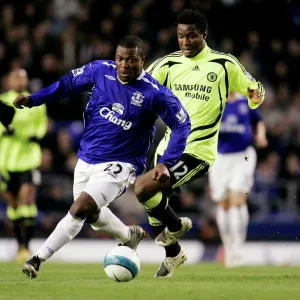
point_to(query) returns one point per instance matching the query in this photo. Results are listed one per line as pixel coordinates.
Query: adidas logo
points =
(196, 68)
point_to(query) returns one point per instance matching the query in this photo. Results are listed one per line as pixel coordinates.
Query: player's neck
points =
(18, 91)
(200, 54)
(201, 49)
(140, 76)
(123, 82)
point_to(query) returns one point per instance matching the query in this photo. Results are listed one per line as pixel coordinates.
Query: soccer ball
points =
(121, 264)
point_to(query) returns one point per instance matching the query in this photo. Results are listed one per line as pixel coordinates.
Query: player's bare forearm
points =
(260, 136)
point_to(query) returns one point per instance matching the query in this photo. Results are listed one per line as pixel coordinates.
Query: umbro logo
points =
(196, 68)
(50, 250)
(104, 197)
(110, 77)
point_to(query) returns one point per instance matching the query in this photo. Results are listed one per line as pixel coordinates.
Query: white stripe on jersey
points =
(148, 81)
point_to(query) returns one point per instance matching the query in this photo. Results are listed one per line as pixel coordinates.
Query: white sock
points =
(223, 226)
(64, 232)
(245, 221)
(235, 225)
(112, 225)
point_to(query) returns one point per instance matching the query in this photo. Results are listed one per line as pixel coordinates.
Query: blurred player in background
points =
(20, 158)
(123, 104)
(232, 174)
(201, 78)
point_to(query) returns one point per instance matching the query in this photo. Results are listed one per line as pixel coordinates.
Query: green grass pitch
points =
(202, 281)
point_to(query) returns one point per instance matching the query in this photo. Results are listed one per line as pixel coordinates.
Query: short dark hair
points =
(132, 41)
(193, 16)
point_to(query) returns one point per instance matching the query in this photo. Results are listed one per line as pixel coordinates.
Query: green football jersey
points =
(17, 152)
(202, 84)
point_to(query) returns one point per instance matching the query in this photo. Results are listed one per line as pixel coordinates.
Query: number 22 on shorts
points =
(114, 168)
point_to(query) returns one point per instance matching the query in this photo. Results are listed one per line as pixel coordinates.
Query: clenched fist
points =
(161, 173)
(256, 96)
(22, 101)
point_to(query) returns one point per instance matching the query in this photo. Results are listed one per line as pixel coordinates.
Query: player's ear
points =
(205, 34)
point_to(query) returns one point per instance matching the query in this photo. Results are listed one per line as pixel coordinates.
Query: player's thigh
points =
(108, 181)
(29, 180)
(187, 169)
(81, 177)
(243, 177)
(13, 183)
(219, 177)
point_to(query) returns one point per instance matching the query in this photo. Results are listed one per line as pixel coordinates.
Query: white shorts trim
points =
(232, 171)
(103, 182)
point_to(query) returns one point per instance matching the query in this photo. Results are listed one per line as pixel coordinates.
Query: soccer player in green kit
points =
(201, 78)
(20, 158)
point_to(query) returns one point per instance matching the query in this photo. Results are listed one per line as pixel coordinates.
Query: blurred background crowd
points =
(49, 38)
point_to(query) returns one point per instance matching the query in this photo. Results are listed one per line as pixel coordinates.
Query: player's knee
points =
(139, 191)
(84, 207)
(224, 204)
(142, 191)
(79, 211)
(93, 217)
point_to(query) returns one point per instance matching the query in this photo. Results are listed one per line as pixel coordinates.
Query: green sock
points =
(17, 221)
(158, 208)
(29, 213)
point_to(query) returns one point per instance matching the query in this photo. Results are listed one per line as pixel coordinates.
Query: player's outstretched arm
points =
(260, 135)
(241, 81)
(77, 81)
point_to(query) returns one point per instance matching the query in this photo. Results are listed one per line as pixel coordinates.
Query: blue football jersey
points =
(236, 126)
(119, 118)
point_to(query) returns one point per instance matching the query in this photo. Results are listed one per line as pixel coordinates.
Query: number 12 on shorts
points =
(183, 169)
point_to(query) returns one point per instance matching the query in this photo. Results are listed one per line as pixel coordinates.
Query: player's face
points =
(191, 41)
(129, 63)
(18, 80)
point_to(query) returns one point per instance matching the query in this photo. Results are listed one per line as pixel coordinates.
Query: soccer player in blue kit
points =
(123, 105)
(232, 174)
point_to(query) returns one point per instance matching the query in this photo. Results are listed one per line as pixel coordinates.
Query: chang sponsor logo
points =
(118, 107)
(109, 115)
